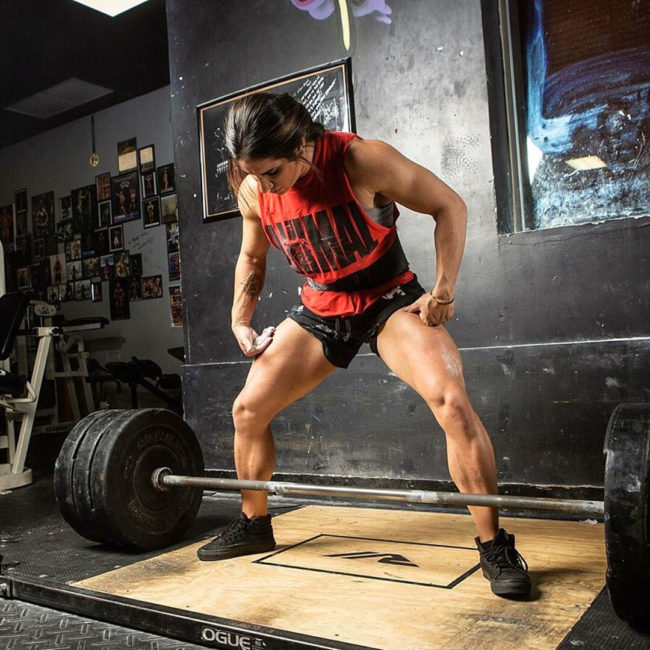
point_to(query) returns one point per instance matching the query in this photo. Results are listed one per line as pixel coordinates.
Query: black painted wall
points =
(551, 324)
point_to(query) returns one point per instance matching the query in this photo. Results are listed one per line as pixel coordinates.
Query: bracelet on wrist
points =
(441, 301)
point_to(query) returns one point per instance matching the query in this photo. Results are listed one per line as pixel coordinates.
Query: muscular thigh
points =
(426, 358)
(292, 366)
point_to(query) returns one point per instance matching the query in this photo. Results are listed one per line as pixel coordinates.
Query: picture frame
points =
(169, 208)
(43, 214)
(127, 155)
(65, 209)
(84, 207)
(96, 291)
(7, 226)
(152, 287)
(149, 184)
(103, 185)
(115, 238)
(166, 179)
(151, 212)
(20, 203)
(146, 158)
(125, 196)
(104, 214)
(326, 91)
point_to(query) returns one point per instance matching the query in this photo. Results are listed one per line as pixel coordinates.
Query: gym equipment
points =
(140, 372)
(19, 395)
(129, 478)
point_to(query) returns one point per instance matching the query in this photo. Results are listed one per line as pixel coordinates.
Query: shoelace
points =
(506, 557)
(234, 530)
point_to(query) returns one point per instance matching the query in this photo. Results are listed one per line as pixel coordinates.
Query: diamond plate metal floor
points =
(24, 626)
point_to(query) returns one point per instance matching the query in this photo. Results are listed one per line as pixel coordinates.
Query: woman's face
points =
(276, 175)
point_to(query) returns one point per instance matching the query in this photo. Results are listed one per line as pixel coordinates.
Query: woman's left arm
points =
(377, 168)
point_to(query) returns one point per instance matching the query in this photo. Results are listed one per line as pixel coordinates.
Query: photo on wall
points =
(104, 214)
(325, 91)
(20, 202)
(148, 184)
(166, 179)
(84, 207)
(151, 212)
(152, 287)
(125, 197)
(119, 299)
(127, 155)
(146, 159)
(65, 212)
(103, 185)
(115, 238)
(7, 226)
(43, 214)
(168, 208)
(176, 306)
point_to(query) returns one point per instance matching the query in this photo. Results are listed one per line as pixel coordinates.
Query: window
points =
(575, 105)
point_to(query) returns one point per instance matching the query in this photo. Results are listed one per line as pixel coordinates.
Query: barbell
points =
(134, 478)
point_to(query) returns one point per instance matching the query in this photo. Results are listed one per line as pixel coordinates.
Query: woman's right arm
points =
(249, 270)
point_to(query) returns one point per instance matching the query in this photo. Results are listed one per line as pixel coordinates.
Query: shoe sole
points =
(515, 589)
(210, 556)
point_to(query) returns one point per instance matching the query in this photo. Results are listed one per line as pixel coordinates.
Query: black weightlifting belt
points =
(389, 265)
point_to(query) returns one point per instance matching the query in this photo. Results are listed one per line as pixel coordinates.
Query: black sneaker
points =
(503, 566)
(242, 536)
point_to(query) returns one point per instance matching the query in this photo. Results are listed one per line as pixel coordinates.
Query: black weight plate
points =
(627, 517)
(136, 514)
(64, 468)
(81, 476)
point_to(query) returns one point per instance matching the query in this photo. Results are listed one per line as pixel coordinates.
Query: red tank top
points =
(326, 235)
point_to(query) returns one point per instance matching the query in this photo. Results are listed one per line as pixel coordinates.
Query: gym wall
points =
(551, 324)
(58, 160)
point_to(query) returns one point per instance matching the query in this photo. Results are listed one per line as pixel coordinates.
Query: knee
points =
(249, 414)
(453, 411)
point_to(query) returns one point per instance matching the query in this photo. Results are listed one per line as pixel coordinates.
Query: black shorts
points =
(342, 337)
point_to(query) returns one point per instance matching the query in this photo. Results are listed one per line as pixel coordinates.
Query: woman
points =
(327, 200)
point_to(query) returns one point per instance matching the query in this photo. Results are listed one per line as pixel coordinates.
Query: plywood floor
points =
(384, 579)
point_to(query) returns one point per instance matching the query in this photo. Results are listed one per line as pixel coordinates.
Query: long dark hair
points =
(266, 125)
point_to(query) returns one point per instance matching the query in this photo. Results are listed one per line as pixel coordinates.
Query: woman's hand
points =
(250, 342)
(431, 312)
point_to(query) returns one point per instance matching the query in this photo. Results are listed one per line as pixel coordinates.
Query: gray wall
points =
(58, 160)
(551, 324)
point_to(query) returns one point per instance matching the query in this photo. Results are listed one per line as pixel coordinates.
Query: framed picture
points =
(136, 264)
(101, 241)
(38, 245)
(96, 291)
(125, 197)
(171, 230)
(43, 214)
(146, 159)
(168, 208)
(174, 266)
(82, 290)
(74, 271)
(24, 277)
(103, 185)
(7, 226)
(57, 269)
(65, 212)
(152, 287)
(119, 299)
(166, 179)
(176, 306)
(149, 186)
(115, 238)
(151, 212)
(84, 208)
(20, 201)
(91, 267)
(127, 158)
(104, 214)
(326, 92)
(122, 265)
(107, 264)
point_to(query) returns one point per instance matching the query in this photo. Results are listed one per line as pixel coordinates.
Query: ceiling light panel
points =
(111, 7)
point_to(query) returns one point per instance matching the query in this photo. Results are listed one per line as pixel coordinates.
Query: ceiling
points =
(46, 43)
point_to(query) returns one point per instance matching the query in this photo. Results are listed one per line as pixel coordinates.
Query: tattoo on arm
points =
(252, 285)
